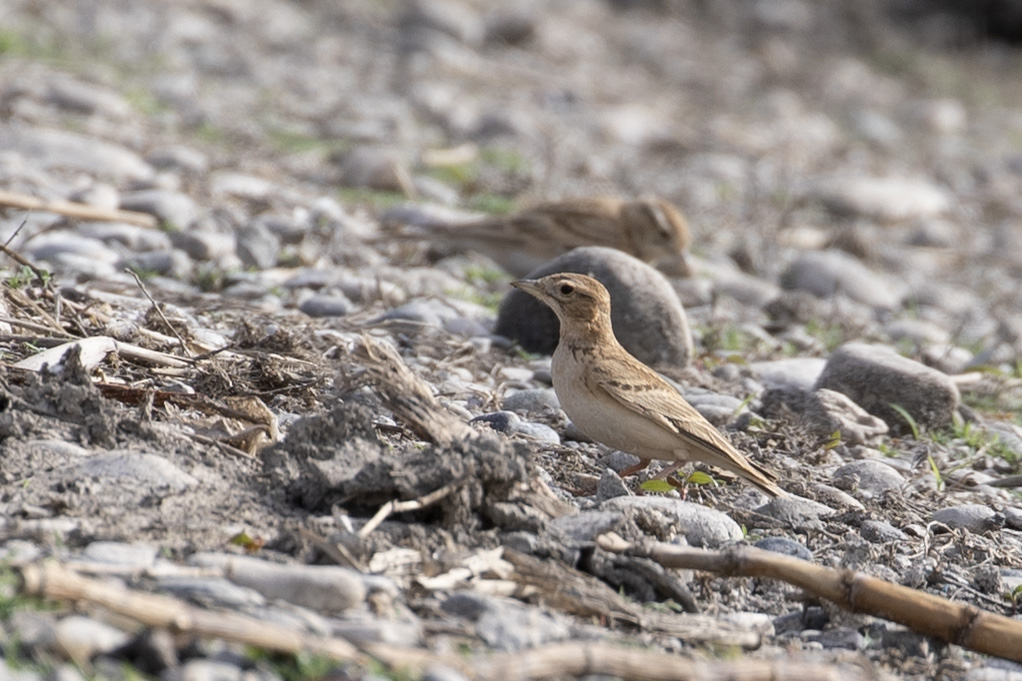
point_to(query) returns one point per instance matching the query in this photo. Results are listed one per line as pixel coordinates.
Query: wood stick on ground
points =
(74, 209)
(51, 580)
(957, 623)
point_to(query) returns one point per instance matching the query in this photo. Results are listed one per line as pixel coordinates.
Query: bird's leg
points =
(631, 470)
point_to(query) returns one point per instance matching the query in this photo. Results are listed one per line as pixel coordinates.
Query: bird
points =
(617, 400)
(651, 229)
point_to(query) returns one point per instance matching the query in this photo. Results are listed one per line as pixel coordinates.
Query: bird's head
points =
(580, 302)
(659, 234)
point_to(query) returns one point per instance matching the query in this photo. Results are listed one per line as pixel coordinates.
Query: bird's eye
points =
(567, 289)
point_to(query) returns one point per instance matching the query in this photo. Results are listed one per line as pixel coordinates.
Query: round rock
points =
(647, 316)
(827, 273)
(868, 475)
(827, 411)
(875, 377)
(702, 526)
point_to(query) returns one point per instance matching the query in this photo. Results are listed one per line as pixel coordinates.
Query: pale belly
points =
(608, 422)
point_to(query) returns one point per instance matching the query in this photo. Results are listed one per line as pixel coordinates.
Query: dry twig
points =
(957, 623)
(74, 209)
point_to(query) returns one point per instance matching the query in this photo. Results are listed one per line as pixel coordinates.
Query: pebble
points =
(647, 317)
(785, 546)
(875, 377)
(505, 624)
(888, 199)
(532, 400)
(582, 529)
(793, 510)
(175, 210)
(975, 518)
(205, 670)
(167, 263)
(318, 587)
(180, 158)
(51, 149)
(880, 532)
(327, 305)
(211, 590)
(82, 638)
(132, 237)
(149, 470)
(135, 557)
(827, 273)
(869, 475)
(701, 526)
(799, 373)
(257, 246)
(826, 412)
(609, 486)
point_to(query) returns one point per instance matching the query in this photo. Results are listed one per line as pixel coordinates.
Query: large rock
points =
(827, 273)
(648, 318)
(875, 377)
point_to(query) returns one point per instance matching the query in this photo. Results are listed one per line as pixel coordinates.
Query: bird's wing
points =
(648, 394)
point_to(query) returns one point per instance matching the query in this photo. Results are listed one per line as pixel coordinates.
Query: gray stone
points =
(876, 377)
(918, 331)
(130, 236)
(869, 475)
(826, 412)
(82, 638)
(532, 400)
(647, 317)
(827, 273)
(785, 546)
(133, 556)
(972, 517)
(62, 149)
(793, 510)
(148, 469)
(174, 209)
(169, 263)
(583, 528)
(800, 373)
(201, 669)
(324, 588)
(701, 526)
(502, 421)
(215, 591)
(257, 246)
(841, 638)
(328, 305)
(87, 98)
(880, 531)
(242, 186)
(540, 432)
(609, 486)
(54, 246)
(887, 199)
(180, 158)
(204, 245)
(505, 624)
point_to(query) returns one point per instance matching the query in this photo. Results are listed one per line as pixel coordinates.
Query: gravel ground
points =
(852, 177)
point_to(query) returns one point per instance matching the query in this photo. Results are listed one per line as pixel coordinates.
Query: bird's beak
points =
(677, 266)
(527, 285)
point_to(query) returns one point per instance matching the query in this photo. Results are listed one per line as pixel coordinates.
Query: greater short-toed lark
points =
(619, 401)
(652, 230)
